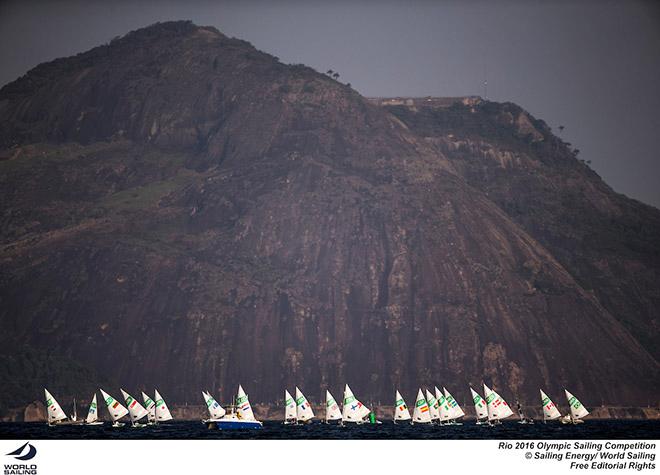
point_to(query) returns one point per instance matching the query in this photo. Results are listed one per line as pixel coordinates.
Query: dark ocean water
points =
(595, 429)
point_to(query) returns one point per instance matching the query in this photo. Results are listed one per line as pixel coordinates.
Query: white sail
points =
(578, 411)
(353, 410)
(434, 407)
(550, 411)
(150, 406)
(303, 408)
(162, 411)
(332, 412)
(289, 407)
(55, 412)
(480, 407)
(93, 413)
(497, 407)
(243, 408)
(401, 412)
(216, 411)
(116, 410)
(421, 413)
(135, 409)
(443, 408)
(455, 409)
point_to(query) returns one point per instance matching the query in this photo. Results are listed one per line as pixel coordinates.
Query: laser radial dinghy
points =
(498, 409)
(443, 407)
(162, 411)
(353, 411)
(332, 412)
(550, 411)
(304, 411)
(289, 408)
(480, 408)
(421, 413)
(56, 415)
(401, 412)
(150, 406)
(115, 409)
(455, 411)
(578, 411)
(434, 407)
(135, 409)
(216, 411)
(92, 418)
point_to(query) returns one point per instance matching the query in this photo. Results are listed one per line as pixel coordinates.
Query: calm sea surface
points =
(596, 429)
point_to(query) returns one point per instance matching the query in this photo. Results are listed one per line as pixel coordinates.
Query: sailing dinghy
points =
(480, 408)
(332, 412)
(578, 411)
(304, 412)
(115, 409)
(135, 409)
(550, 411)
(162, 411)
(421, 413)
(498, 409)
(353, 410)
(401, 412)
(455, 411)
(443, 407)
(56, 416)
(240, 416)
(150, 406)
(92, 418)
(216, 411)
(434, 407)
(289, 408)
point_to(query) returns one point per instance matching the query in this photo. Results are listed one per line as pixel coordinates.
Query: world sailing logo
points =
(25, 452)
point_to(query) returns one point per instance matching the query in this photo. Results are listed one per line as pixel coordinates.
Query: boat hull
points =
(233, 424)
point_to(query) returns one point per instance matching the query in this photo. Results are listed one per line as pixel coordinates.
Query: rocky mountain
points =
(182, 210)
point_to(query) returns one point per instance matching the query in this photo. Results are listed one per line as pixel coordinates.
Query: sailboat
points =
(150, 406)
(93, 414)
(443, 407)
(401, 412)
(289, 408)
(74, 416)
(216, 411)
(242, 418)
(578, 411)
(332, 412)
(521, 414)
(421, 413)
(115, 409)
(304, 412)
(135, 409)
(353, 410)
(56, 416)
(480, 407)
(498, 409)
(455, 411)
(550, 411)
(434, 407)
(162, 411)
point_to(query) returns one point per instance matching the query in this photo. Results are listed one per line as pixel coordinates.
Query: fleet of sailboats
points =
(438, 407)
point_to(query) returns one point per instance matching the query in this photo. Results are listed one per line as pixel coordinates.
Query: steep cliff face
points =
(608, 242)
(182, 210)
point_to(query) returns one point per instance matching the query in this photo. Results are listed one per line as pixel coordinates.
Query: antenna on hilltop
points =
(485, 89)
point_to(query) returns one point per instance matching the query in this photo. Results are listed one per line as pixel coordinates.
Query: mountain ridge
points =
(217, 217)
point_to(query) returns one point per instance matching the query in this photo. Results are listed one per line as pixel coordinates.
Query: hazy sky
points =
(593, 67)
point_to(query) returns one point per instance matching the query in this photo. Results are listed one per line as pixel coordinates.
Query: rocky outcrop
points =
(183, 211)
